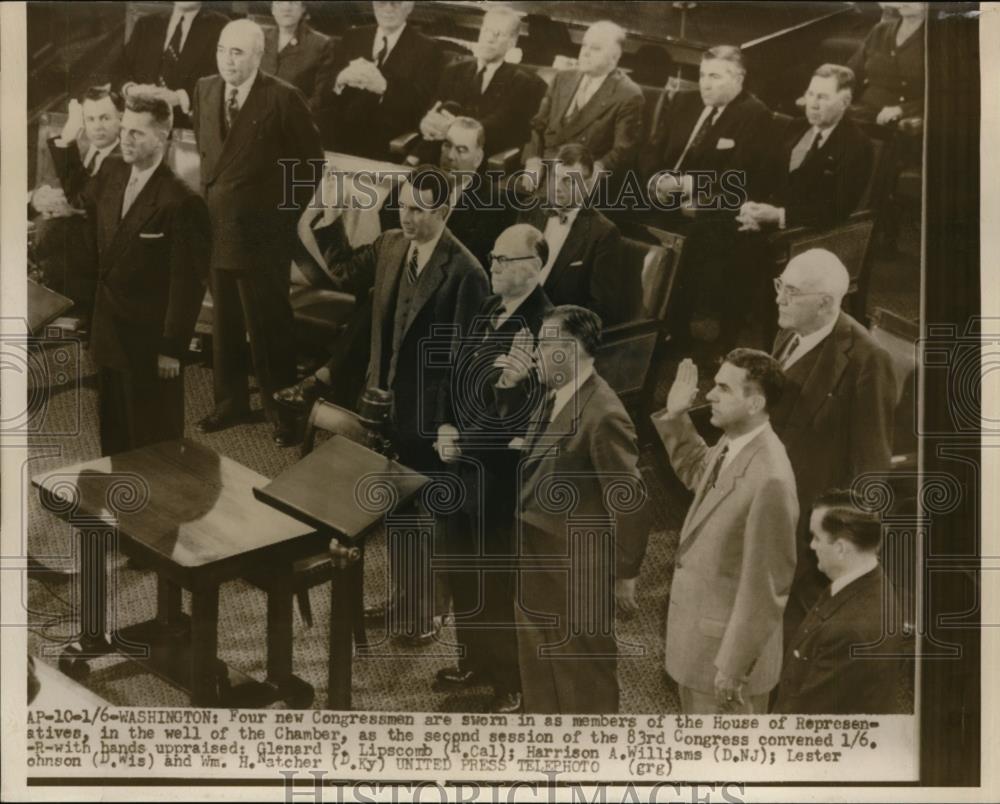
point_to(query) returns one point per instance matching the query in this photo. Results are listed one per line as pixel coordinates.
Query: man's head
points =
(145, 130)
(747, 387)
(829, 95)
(517, 259)
(843, 535)
(498, 34)
(462, 147)
(391, 16)
(721, 76)
(287, 13)
(424, 203)
(102, 115)
(810, 290)
(238, 54)
(567, 342)
(601, 48)
(572, 177)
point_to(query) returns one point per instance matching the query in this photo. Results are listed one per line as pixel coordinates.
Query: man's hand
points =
(447, 443)
(684, 389)
(517, 363)
(74, 123)
(728, 691)
(531, 179)
(889, 114)
(625, 597)
(168, 368)
(754, 216)
(666, 186)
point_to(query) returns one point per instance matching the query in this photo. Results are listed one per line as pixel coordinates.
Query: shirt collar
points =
(568, 391)
(424, 251)
(184, 18)
(510, 307)
(824, 133)
(243, 89)
(738, 443)
(101, 152)
(143, 175)
(865, 567)
(392, 37)
(811, 341)
(571, 214)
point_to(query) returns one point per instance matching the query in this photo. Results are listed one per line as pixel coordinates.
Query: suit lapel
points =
(594, 108)
(829, 606)
(564, 102)
(826, 372)
(498, 84)
(388, 274)
(430, 278)
(563, 425)
(245, 124)
(141, 210)
(576, 241)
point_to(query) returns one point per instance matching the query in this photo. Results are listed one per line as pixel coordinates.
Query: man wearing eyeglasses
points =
(836, 414)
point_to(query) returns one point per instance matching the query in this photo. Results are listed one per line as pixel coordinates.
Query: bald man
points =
(836, 415)
(596, 105)
(247, 124)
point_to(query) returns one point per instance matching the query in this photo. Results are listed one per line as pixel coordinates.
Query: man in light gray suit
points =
(736, 556)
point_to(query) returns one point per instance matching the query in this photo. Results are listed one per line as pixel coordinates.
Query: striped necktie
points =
(411, 268)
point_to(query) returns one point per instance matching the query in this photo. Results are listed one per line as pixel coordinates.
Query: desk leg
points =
(298, 693)
(168, 602)
(345, 591)
(205, 681)
(91, 600)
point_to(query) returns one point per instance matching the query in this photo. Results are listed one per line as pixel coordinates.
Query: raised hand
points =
(74, 122)
(517, 363)
(684, 389)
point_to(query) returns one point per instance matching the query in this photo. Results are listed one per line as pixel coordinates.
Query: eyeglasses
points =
(503, 261)
(793, 292)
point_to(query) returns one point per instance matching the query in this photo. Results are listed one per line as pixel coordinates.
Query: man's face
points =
(568, 186)
(514, 271)
(825, 104)
(495, 38)
(719, 82)
(391, 16)
(101, 122)
(599, 52)
(827, 549)
(733, 403)
(417, 221)
(459, 150)
(236, 55)
(142, 140)
(800, 305)
(556, 355)
(287, 14)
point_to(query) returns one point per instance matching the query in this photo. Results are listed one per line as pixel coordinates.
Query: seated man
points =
(502, 96)
(584, 246)
(596, 105)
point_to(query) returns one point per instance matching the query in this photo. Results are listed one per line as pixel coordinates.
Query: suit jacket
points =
(362, 123)
(249, 193)
(734, 562)
(609, 124)
(68, 164)
(829, 184)
(820, 675)
(586, 271)
(305, 62)
(152, 267)
(141, 59)
(421, 384)
(739, 140)
(888, 75)
(505, 109)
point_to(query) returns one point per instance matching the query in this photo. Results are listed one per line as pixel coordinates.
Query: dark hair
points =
(579, 323)
(729, 53)
(843, 518)
(763, 371)
(843, 75)
(471, 124)
(573, 153)
(428, 178)
(158, 108)
(99, 93)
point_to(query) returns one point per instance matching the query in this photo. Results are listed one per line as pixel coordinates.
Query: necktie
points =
(793, 344)
(706, 121)
(171, 55)
(131, 190)
(382, 52)
(803, 148)
(232, 108)
(561, 214)
(480, 79)
(578, 99)
(91, 164)
(713, 475)
(411, 268)
(543, 421)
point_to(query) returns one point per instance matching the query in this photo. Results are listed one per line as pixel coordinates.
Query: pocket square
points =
(725, 144)
(576, 263)
(151, 235)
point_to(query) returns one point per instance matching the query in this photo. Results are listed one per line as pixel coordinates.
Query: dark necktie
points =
(713, 475)
(699, 136)
(172, 55)
(91, 164)
(793, 344)
(411, 268)
(562, 214)
(232, 108)
(480, 75)
(382, 52)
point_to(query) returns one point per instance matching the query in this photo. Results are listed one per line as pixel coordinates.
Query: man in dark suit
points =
(503, 97)
(581, 445)
(827, 668)
(172, 52)
(385, 80)
(153, 238)
(584, 246)
(297, 54)
(596, 105)
(836, 415)
(484, 595)
(722, 129)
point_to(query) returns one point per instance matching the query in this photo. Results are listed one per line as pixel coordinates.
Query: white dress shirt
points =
(391, 38)
(141, 178)
(587, 89)
(709, 115)
(98, 155)
(568, 391)
(807, 343)
(424, 251)
(183, 18)
(241, 91)
(509, 307)
(738, 443)
(866, 566)
(556, 233)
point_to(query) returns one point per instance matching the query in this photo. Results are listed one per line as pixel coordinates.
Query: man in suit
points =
(723, 129)
(836, 415)
(63, 242)
(385, 80)
(596, 105)
(172, 52)
(484, 596)
(153, 239)
(298, 54)
(736, 555)
(584, 246)
(571, 575)
(247, 123)
(503, 97)
(822, 674)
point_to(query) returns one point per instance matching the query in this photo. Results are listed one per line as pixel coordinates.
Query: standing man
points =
(254, 135)
(836, 415)
(484, 595)
(581, 445)
(153, 239)
(826, 670)
(736, 555)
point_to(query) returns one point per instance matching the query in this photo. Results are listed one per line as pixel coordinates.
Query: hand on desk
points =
(753, 216)
(362, 74)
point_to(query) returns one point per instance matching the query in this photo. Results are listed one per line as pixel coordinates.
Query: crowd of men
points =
(776, 579)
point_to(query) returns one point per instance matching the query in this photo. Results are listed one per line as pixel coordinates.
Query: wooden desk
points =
(343, 490)
(189, 514)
